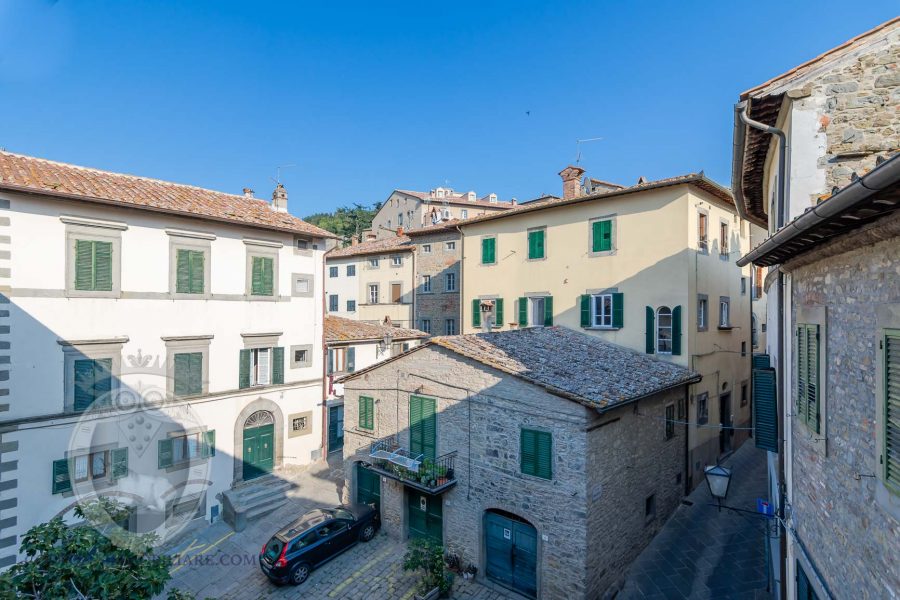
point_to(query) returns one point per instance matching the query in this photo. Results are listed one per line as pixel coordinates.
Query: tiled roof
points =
(339, 329)
(398, 243)
(457, 199)
(698, 180)
(37, 175)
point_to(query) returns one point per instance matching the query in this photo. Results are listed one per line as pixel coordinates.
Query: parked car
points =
(315, 538)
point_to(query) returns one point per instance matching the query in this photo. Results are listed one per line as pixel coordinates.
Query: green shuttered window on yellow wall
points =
(808, 388)
(488, 251)
(536, 244)
(366, 413)
(189, 272)
(601, 236)
(536, 453)
(262, 282)
(93, 266)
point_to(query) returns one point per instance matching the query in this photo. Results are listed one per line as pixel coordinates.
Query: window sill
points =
(366, 432)
(186, 464)
(724, 327)
(601, 328)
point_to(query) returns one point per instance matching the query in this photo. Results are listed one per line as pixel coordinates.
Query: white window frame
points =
(450, 245)
(426, 284)
(464, 213)
(333, 272)
(426, 325)
(724, 313)
(532, 307)
(450, 282)
(374, 263)
(426, 248)
(260, 368)
(599, 298)
(397, 261)
(702, 312)
(450, 326)
(660, 327)
(336, 305)
(373, 293)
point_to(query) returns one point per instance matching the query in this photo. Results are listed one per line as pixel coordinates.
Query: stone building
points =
(438, 283)
(829, 401)
(544, 457)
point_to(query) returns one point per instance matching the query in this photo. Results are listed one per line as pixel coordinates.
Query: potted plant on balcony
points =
(441, 475)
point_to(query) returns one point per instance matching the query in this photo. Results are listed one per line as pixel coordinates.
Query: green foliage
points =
(347, 221)
(94, 559)
(428, 557)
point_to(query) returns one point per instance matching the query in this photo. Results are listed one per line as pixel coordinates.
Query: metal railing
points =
(396, 462)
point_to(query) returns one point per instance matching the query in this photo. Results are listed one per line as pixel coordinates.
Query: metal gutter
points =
(880, 178)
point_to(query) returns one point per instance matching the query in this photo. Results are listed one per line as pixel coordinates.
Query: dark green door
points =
(511, 549)
(259, 450)
(426, 516)
(368, 487)
(422, 426)
(335, 428)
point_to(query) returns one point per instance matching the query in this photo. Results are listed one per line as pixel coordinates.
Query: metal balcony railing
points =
(426, 474)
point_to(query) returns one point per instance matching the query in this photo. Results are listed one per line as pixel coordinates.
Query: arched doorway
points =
(510, 544)
(259, 444)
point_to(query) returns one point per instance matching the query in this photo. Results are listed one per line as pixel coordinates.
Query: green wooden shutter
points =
(330, 361)
(618, 304)
(278, 365)
(165, 453)
(366, 412)
(351, 359)
(118, 457)
(84, 265)
(650, 335)
(415, 425)
(498, 312)
(429, 427)
(585, 304)
(760, 361)
(808, 375)
(548, 311)
(676, 330)
(244, 369)
(890, 458)
(183, 272)
(103, 380)
(61, 481)
(84, 384)
(536, 244)
(103, 266)
(536, 453)
(523, 311)
(476, 313)
(765, 409)
(268, 276)
(527, 452)
(605, 236)
(195, 382)
(197, 272)
(256, 275)
(488, 250)
(262, 276)
(182, 374)
(211, 442)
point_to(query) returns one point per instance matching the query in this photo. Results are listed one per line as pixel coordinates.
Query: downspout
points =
(325, 385)
(741, 112)
(462, 254)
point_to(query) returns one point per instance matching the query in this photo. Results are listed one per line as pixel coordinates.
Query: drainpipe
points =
(459, 285)
(324, 371)
(740, 110)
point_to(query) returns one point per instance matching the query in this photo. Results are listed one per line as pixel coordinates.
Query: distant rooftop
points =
(397, 243)
(450, 196)
(339, 329)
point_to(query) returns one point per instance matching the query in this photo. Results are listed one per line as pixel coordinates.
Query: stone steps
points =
(254, 499)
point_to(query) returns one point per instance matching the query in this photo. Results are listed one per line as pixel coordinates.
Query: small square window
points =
(299, 423)
(332, 271)
(451, 245)
(302, 244)
(396, 261)
(300, 356)
(351, 270)
(373, 263)
(351, 305)
(426, 248)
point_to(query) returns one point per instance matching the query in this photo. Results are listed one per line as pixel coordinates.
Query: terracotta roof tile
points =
(339, 329)
(457, 199)
(29, 174)
(399, 243)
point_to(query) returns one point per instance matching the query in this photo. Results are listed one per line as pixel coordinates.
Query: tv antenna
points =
(277, 178)
(578, 147)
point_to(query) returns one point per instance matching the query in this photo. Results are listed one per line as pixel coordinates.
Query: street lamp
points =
(718, 478)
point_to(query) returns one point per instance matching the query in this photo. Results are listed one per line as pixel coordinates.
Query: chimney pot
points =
(399, 231)
(248, 192)
(571, 177)
(279, 199)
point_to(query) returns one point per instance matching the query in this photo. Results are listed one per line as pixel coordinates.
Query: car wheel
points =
(299, 574)
(367, 533)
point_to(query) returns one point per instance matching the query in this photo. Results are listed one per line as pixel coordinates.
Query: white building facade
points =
(162, 343)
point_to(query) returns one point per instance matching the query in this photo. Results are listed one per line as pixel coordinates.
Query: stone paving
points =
(702, 553)
(216, 562)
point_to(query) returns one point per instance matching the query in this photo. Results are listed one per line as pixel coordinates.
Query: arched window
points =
(664, 330)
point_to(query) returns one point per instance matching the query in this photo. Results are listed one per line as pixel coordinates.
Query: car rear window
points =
(273, 549)
(340, 513)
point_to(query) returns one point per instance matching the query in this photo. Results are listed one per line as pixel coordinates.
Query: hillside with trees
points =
(346, 221)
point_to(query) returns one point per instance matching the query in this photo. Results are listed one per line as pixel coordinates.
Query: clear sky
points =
(365, 97)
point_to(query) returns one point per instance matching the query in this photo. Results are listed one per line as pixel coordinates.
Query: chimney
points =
(514, 202)
(399, 232)
(248, 193)
(571, 177)
(279, 199)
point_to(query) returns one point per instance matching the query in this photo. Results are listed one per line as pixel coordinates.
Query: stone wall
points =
(589, 525)
(631, 460)
(852, 536)
(858, 100)
(439, 304)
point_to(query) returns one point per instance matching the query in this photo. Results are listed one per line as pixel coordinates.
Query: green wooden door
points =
(259, 450)
(426, 516)
(511, 549)
(368, 487)
(422, 426)
(335, 428)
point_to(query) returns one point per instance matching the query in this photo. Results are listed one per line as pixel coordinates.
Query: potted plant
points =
(469, 571)
(427, 557)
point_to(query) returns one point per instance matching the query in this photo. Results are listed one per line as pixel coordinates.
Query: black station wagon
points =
(315, 538)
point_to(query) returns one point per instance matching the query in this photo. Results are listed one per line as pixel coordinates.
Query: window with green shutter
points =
(890, 431)
(488, 251)
(523, 311)
(536, 453)
(366, 413)
(119, 462)
(178, 451)
(536, 244)
(498, 312)
(61, 481)
(262, 276)
(601, 236)
(93, 266)
(92, 381)
(808, 388)
(422, 426)
(188, 374)
(189, 271)
(765, 409)
(476, 312)
(278, 365)
(548, 311)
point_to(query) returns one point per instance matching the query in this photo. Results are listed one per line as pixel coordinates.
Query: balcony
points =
(432, 476)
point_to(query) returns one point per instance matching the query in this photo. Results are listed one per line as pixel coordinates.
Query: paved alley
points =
(702, 553)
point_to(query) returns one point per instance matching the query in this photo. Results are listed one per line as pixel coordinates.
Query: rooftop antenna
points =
(277, 178)
(578, 147)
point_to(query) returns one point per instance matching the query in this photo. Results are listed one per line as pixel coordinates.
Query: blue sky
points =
(365, 97)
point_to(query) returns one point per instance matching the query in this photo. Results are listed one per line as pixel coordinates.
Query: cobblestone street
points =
(216, 562)
(702, 553)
